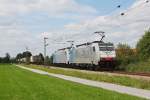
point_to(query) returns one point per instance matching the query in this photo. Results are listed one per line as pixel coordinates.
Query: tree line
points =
(127, 55)
(6, 59)
(36, 59)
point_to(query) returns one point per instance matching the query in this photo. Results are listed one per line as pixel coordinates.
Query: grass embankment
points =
(138, 67)
(121, 80)
(19, 84)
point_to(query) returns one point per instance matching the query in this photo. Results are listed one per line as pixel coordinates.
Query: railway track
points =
(143, 76)
(132, 73)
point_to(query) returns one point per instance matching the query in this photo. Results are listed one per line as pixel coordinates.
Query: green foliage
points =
(143, 46)
(125, 55)
(51, 59)
(141, 66)
(26, 54)
(19, 56)
(47, 60)
(13, 60)
(137, 60)
(6, 59)
(41, 58)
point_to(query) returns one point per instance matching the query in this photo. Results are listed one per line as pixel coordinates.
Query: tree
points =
(125, 54)
(26, 54)
(7, 58)
(41, 58)
(143, 46)
(51, 59)
(47, 60)
(1, 60)
(124, 50)
(13, 60)
(19, 56)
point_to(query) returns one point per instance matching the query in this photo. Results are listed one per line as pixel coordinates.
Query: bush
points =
(141, 66)
(5, 59)
(125, 55)
(143, 46)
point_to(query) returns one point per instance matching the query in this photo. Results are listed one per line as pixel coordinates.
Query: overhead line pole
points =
(26, 55)
(45, 48)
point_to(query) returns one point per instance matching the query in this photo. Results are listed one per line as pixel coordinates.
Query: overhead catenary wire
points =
(119, 5)
(126, 12)
(115, 9)
(140, 5)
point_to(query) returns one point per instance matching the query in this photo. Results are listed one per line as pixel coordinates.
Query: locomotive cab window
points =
(106, 47)
(94, 49)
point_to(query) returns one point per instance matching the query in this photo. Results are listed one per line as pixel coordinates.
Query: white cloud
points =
(128, 28)
(53, 7)
(14, 37)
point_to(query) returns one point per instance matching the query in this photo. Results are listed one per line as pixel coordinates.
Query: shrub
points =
(125, 55)
(143, 46)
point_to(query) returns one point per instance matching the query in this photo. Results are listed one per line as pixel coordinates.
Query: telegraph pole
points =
(45, 47)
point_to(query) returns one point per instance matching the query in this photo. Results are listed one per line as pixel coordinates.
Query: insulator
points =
(118, 6)
(122, 14)
(147, 1)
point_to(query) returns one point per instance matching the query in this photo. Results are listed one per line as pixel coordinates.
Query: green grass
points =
(139, 67)
(20, 84)
(121, 80)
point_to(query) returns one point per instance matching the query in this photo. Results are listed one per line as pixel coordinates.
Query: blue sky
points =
(107, 6)
(23, 22)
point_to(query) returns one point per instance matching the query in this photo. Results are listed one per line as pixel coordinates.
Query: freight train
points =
(92, 55)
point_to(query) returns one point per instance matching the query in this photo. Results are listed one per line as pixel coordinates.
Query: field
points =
(121, 80)
(19, 84)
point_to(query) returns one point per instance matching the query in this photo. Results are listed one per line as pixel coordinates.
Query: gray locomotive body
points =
(94, 54)
(61, 56)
